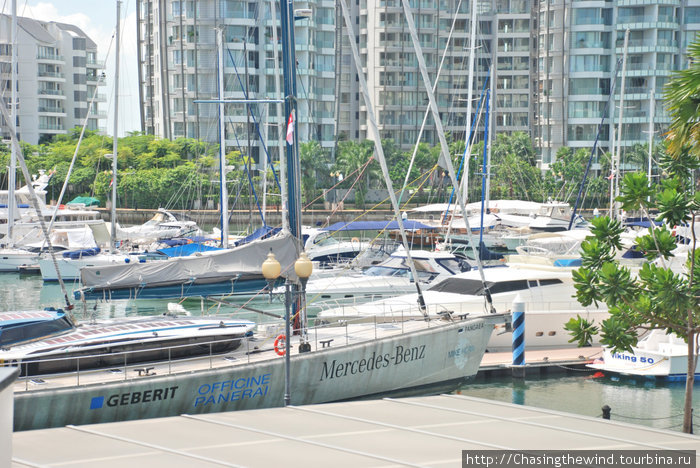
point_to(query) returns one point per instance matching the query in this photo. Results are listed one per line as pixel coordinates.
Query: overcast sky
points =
(98, 19)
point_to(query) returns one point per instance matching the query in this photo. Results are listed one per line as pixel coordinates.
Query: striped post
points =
(518, 309)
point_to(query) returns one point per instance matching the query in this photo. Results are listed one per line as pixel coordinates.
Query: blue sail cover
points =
(377, 226)
(186, 249)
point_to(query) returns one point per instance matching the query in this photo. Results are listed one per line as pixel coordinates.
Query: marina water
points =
(638, 401)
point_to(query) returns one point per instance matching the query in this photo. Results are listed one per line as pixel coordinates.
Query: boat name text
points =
(633, 358)
(232, 390)
(133, 398)
(374, 361)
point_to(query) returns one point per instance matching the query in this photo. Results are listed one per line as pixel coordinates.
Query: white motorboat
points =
(391, 277)
(547, 294)
(163, 225)
(657, 354)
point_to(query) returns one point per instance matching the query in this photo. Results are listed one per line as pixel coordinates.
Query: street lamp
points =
(303, 268)
(271, 270)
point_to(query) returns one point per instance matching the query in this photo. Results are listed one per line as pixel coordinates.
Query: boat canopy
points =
(377, 226)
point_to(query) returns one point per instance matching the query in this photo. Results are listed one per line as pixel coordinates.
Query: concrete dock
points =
(422, 431)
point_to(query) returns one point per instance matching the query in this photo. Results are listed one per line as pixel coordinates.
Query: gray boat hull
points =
(438, 358)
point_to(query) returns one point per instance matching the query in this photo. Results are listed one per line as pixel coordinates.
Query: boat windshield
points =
(326, 240)
(398, 266)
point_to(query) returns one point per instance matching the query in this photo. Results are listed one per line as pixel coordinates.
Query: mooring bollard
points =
(518, 366)
(606, 411)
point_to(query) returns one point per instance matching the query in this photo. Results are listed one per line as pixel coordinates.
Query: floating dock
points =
(422, 431)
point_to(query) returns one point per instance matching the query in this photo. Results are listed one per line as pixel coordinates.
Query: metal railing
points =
(132, 367)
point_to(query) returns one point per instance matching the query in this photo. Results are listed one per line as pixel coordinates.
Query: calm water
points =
(635, 401)
(640, 401)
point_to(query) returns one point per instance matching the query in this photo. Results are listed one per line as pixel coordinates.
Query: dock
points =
(422, 431)
(541, 361)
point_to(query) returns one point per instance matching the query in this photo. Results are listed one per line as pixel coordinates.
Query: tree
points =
(657, 297)
(682, 98)
(514, 174)
(354, 162)
(314, 168)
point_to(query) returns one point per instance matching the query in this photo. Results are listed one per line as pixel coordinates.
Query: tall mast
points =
(616, 161)
(652, 107)
(223, 189)
(470, 85)
(281, 119)
(11, 180)
(115, 137)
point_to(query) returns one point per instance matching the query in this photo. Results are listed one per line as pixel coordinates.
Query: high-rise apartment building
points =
(397, 90)
(580, 47)
(58, 75)
(178, 65)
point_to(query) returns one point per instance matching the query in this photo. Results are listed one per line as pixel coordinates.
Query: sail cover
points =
(208, 267)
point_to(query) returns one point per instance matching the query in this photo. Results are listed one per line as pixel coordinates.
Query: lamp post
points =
(271, 270)
(303, 268)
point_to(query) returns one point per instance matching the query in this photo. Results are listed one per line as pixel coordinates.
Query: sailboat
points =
(337, 363)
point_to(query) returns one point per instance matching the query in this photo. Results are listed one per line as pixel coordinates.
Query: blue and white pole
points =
(518, 310)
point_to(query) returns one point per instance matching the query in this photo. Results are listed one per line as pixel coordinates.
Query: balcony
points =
(52, 109)
(622, 3)
(46, 126)
(53, 57)
(51, 92)
(50, 74)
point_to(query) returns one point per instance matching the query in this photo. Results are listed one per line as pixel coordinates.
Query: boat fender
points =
(281, 345)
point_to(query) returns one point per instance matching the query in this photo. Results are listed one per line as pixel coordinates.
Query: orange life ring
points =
(279, 351)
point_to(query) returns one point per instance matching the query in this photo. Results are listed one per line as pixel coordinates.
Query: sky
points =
(98, 19)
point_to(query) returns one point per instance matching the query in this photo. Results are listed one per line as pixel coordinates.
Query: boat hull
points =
(437, 358)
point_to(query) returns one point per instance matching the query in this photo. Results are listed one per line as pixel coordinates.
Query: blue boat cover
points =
(376, 226)
(186, 249)
(75, 254)
(260, 233)
(174, 242)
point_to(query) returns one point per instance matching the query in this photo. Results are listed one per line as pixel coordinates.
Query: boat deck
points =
(252, 350)
(423, 431)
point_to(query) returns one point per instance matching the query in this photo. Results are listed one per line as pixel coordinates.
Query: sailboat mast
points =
(11, 179)
(289, 73)
(223, 189)
(280, 118)
(652, 106)
(470, 95)
(115, 137)
(490, 122)
(616, 173)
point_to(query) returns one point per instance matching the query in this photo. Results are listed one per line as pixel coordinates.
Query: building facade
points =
(443, 27)
(58, 77)
(554, 63)
(580, 51)
(178, 65)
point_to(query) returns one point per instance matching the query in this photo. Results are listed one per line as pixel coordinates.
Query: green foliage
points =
(582, 330)
(661, 244)
(617, 333)
(315, 161)
(350, 162)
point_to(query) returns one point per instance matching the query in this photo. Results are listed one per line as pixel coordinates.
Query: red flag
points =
(290, 129)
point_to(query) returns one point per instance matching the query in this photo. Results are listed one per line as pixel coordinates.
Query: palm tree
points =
(314, 168)
(351, 159)
(683, 101)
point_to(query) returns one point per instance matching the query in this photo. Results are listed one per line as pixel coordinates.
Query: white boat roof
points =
(512, 273)
(423, 254)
